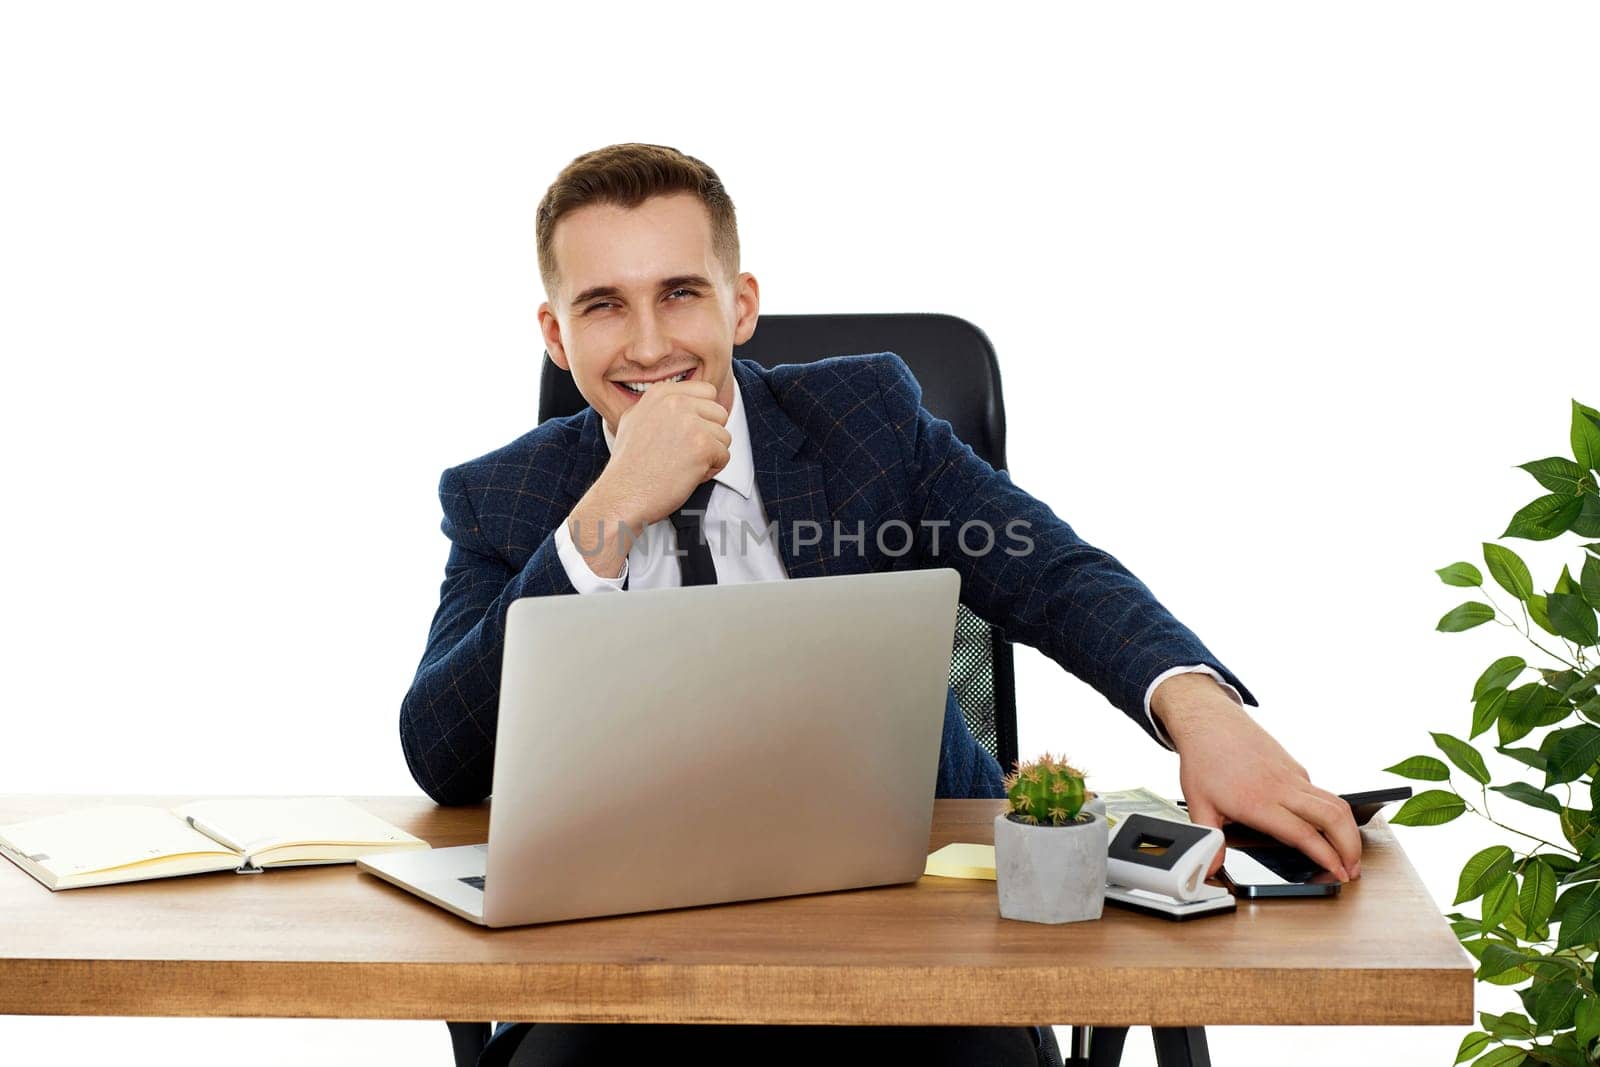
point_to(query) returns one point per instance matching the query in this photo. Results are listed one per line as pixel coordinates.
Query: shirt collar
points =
(740, 473)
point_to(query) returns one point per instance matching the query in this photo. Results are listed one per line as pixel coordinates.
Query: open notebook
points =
(128, 843)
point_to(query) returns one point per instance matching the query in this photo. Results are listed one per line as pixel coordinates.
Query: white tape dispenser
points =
(1159, 866)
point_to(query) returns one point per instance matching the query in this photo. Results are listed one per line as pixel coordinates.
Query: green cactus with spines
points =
(1046, 791)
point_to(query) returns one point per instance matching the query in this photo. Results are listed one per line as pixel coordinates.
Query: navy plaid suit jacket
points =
(842, 440)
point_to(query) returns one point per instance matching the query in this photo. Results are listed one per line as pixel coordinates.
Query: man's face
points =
(642, 297)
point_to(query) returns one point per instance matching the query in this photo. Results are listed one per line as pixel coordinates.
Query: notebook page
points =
(100, 838)
(255, 825)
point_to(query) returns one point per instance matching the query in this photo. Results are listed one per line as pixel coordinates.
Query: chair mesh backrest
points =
(960, 378)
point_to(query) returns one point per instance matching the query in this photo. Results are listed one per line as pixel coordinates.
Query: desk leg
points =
(467, 1041)
(1105, 1045)
(1181, 1046)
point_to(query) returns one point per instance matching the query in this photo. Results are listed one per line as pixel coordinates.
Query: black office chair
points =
(960, 377)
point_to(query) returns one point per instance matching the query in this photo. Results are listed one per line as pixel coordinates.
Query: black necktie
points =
(694, 555)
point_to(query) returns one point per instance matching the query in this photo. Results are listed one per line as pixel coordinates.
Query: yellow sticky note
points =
(962, 861)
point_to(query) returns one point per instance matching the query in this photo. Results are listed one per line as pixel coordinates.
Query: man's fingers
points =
(1333, 817)
(1282, 823)
(711, 411)
(1201, 813)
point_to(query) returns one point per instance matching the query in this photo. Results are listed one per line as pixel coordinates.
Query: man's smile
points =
(634, 390)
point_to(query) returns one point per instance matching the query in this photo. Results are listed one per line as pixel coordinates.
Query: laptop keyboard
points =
(475, 881)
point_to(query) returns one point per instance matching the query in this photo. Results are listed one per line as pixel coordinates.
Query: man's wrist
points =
(1184, 702)
(604, 527)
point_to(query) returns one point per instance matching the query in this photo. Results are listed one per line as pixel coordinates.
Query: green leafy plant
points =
(1046, 791)
(1538, 921)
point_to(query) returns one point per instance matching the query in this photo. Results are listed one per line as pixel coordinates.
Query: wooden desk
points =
(330, 942)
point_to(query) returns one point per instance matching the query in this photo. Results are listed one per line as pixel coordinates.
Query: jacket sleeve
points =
(1037, 582)
(447, 719)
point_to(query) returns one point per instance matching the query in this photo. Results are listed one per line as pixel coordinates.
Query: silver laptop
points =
(675, 747)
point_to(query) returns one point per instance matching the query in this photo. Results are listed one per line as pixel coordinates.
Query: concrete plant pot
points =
(1052, 874)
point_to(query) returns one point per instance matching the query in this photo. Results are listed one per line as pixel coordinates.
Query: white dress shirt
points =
(736, 532)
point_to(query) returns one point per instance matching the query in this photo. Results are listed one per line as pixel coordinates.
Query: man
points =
(638, 252)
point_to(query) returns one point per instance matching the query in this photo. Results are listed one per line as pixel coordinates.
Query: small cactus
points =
(1047, 791)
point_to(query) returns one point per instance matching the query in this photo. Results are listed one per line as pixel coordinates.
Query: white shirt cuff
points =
(584, 579)
(1155, 723)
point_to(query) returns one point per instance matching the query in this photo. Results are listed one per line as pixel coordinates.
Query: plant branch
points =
(1526, 630)
(1485, 815)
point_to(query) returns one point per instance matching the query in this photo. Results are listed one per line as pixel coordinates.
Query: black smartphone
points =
(1256, 871)
(1365, 805)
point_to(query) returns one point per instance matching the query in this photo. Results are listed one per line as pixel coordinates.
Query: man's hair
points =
(627, 175)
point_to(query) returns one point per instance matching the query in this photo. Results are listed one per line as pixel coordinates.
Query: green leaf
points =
(1512, 1024)
(1585, 437)
(1482, 871)
(1589, 585)
(1465, 617)
(1471, 1045)
(1578, 912)
(1463, 756)
(1563, 1051)
(1540, 613)
(1538, 897)
(1530, 795)
(1587, 1018)
(1527, 707)
(1499, 675)
(1549, 516)
(1531, 757)
(1560, 681)
(1533, 705)
(1565, 583)
(1462, 574)
(1487, 710)
(1500, 899)
(1585, 872)
(1554, 1004)
(1509, 570)
(1431, 807)
(1573, 619)
(1593, 549)
(1502, 1056)
(1556, 862)
(1557, 474)
(1421, 768)
(1587, 524)
(1499, 960)
(1572, 752)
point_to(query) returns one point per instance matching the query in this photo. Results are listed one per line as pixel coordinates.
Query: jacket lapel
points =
(587, 460)
(791, 487)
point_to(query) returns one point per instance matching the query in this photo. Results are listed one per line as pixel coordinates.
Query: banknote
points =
(1121, 803)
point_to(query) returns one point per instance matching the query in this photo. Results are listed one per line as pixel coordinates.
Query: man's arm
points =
(1042, 585)
(1038, 582)
(447, 719)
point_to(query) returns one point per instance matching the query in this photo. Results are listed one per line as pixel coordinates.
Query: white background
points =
(1281, 294)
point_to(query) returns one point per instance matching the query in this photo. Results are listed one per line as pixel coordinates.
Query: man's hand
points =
(672, 439)
(1231, 770)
